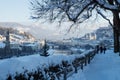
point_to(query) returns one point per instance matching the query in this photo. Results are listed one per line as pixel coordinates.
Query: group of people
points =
(100, 49)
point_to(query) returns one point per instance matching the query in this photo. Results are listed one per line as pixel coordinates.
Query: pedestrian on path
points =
(97, 49)
(101, 49)
(104, 49)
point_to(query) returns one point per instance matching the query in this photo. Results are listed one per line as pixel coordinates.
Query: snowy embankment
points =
(102, 67)
(32, 62)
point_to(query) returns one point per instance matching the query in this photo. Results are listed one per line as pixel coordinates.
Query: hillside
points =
(48, 31)
(100, 34)
(105, 32)
(37, 30)
(15, 34)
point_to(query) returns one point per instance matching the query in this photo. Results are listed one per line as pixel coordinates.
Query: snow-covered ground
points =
(31, 63)
(103, 67)
(12, 65)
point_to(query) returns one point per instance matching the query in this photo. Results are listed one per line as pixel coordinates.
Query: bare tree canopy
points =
(74, 10)
(78, 11)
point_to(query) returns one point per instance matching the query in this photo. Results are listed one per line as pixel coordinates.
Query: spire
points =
(7, 46)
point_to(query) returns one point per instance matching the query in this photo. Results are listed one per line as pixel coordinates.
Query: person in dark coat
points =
(97, 48)
(104, 49)
(101, 49)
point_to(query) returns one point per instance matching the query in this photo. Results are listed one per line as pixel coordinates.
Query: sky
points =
(19, 11)
(14, 11)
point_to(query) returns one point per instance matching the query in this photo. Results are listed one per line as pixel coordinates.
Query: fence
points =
(60, 71)
(69, 68)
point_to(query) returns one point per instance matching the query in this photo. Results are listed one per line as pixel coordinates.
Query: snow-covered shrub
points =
(54, 71)
(9, 77)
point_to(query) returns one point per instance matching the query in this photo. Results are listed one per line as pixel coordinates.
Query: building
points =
(7, 43)
(15, 48)
(2, 38)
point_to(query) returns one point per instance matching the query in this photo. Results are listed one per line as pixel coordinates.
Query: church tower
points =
(7, 43)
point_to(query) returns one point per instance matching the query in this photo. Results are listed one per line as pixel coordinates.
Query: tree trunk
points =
(116, 24)
(116, 41)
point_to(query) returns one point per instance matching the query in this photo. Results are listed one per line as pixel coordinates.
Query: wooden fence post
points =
(85, 60)
(65, 74)
(89, 59)
(82, 65)
(75, 69)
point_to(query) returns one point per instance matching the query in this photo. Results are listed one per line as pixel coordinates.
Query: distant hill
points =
(38, 31)
(14, 25)
(47, 31)
(101, 33)
(104, 32)
(16, 35)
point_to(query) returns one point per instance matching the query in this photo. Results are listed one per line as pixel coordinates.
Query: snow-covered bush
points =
(54, 71)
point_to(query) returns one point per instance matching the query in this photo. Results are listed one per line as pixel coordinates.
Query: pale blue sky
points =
(14, 11)
(18, 11)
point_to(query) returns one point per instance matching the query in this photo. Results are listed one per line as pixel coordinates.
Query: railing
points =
(60, 71)
(78, 63)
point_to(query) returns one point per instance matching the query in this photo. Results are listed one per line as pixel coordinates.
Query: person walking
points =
(104, 49)
(101, 49)
(97, 49)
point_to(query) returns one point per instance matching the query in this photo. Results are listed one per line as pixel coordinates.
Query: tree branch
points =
(104, 17)
(107, 5)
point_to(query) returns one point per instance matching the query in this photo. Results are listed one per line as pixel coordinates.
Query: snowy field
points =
(13, 65)
(103, 67)
(31, 63)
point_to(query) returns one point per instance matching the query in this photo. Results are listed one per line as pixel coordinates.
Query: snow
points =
(78, 76)
(118, 1)
(106, 4)
(2, 45)
(102, 67)
(30, 63)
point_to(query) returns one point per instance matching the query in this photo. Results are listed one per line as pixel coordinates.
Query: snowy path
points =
(103, 67)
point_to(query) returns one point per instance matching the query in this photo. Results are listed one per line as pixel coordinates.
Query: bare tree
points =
(78, 11)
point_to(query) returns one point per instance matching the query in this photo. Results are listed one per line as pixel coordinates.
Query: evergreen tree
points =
(45, 49)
